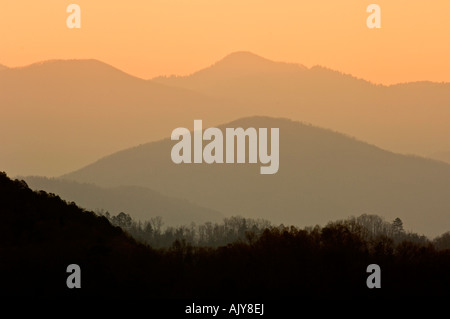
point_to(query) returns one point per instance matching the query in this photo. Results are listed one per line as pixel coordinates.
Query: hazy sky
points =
(148, 38)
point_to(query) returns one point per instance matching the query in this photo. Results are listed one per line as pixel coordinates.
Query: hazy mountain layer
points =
(58, 115)
(140, 202)
(323, 175)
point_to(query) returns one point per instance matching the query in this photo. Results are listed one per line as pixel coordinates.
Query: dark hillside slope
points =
(40, 235)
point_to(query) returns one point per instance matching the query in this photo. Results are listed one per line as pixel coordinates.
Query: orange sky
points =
(148, 38)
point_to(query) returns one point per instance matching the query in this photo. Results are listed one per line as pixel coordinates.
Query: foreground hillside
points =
(40, 235)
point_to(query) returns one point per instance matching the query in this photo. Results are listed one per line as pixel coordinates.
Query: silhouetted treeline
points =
(209, 234)
(40, 235)
(371, 228)
(442, 242)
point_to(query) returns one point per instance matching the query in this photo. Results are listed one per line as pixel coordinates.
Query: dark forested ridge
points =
(40, 235)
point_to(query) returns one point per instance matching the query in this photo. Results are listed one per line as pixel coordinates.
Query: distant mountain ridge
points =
(323, 176)
(238, 64)
(242, 67)
(70, 68)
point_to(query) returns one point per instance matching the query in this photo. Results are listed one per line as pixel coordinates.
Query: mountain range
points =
(323, 175)
(61, 115)
(409, 118)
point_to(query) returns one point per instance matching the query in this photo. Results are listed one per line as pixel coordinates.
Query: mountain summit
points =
(247, 63)
(236, 65)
